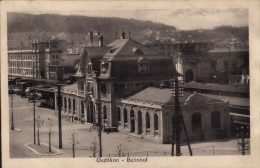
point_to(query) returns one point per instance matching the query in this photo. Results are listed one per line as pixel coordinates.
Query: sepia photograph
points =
(127, 84)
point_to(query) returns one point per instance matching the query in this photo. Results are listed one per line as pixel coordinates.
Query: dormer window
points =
(143, 65)
(89, 68)
(143, 68)
(104, 67)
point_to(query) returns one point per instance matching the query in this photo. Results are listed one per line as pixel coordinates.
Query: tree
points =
(39, 123)
(74, 141)
(94, 146)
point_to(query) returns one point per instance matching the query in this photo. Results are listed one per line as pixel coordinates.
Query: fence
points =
(206, 150)
(139, 154)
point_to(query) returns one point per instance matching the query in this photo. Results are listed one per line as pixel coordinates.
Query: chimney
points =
(90, 36)
(100, 41)
(129, 34)
(122, 33)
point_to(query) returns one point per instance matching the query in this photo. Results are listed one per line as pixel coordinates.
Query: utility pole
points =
(100, 131)
(175, 89)
(11, 95)
(177, 116)
(229, 73)
(184, 127)
(50, 125)
(59, 117)
(34, 141)
(12, 108)
(243, 143)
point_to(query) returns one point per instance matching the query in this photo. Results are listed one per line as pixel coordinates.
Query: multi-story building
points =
(123, 82)
(202, 62)
(45, 60)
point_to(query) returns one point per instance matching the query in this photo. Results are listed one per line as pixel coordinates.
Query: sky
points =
(182, 19)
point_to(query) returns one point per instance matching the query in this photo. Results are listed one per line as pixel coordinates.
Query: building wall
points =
(22, 63)
(199, 134)
(78, 113)
(156, 135)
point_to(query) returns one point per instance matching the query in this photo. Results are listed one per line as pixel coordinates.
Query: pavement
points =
(87, 136)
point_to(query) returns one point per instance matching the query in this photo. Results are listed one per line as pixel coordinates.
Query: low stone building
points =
(150, 113)
(72, 103)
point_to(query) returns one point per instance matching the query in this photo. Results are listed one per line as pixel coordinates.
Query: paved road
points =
(23, 115)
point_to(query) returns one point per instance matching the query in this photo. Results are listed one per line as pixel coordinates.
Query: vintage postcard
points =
(129, 84)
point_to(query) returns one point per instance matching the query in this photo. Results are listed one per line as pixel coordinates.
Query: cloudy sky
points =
(182, 19)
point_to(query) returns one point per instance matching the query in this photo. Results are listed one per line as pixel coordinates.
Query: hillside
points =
(22, 28)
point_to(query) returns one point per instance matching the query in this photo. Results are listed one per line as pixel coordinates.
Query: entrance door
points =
(132, 116)
(189, 75)
(90, 112)
(140, 125)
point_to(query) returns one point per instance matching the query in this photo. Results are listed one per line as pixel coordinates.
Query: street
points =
(87, 136)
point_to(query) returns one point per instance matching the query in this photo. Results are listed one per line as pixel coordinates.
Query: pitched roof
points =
(226, 50)
(128, 49)
(73, 89)
(96, 51)
(70, 60)
(217, 87)
(164, 97)
(235, 101)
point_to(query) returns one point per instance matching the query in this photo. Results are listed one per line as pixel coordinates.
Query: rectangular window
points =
(89, 87)
(137, 85)
(122, 88)
(162, 47)
(89, 68)
(103, 88)
(141, 68)
(151, 84)
(104, 68)
(226, 65)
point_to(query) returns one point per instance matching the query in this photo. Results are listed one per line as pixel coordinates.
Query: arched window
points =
(82, 109)
(125, 115)
(118, 114)
(65, 104)
(105, 112)
(132, 114)
(196, 121)
(132, 121)
(69, 104)
(155, 122)
(74, 106)
(215, 119)
(140, 123)
(147, 119)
